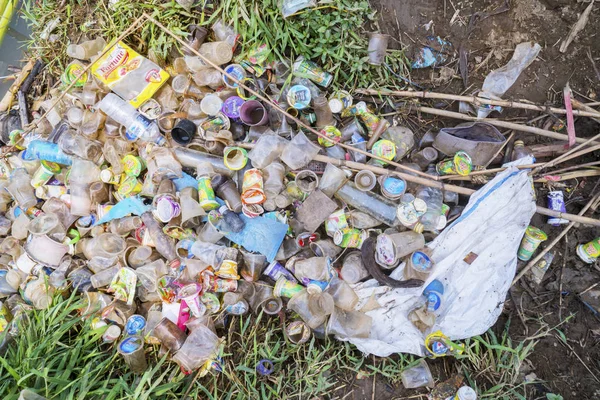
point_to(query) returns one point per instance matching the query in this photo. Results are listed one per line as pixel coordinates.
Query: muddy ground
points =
(571, 369)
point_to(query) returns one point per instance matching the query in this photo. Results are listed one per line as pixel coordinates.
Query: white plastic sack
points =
(491, 227)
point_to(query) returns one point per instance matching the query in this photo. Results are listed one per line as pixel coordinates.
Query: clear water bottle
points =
(434, 199)
(138, 126)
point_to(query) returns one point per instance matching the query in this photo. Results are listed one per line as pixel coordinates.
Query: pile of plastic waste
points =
(172, 198)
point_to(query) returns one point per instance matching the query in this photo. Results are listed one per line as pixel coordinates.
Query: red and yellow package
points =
(128, 74)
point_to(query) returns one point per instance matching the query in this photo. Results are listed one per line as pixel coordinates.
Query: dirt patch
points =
(566, 358)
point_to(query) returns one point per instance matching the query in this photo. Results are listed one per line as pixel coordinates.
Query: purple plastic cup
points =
(231, 107)
(253, 113)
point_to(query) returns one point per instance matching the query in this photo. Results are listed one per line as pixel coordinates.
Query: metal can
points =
(590, 251)
(556, 202)
(43, 174)
(206, 194)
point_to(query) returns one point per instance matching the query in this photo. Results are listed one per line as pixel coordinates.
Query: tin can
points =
(252, 187)
(43, 174)
(299, 97)
(590, 251)
(286, 288)
(307, 69)
(206, 194)
(333, 135)
(460, 164)
(530, 242)
(349, 237)
(556, 202)
(129, 186)
(275, 271)
(133, 165)
(135, 324)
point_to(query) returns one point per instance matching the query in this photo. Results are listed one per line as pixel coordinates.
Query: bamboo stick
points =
(567, 154)
(278, 108)
(553, 242)
(495, 122)
(476, 100)
(567, 176)
(435, 184)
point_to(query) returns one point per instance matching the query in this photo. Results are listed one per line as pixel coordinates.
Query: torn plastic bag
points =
(500, 80)
(261, 235)
(487, 235)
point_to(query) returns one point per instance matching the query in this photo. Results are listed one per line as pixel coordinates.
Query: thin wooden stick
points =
(278, 108)
(567, 154)
(495, 122)
(554, 241)
(558, 171)
(569, 175)
(475, 100)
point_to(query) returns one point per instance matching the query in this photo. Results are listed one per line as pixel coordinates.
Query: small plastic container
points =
(349, 324)
(332, 179)
(418, 266)
(417, 376)
(378, 44)
(132, 350)
(530, 242)
(253, 113)
(365, 180)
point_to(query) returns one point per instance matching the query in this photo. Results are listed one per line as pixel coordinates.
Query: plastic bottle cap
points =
(336, 106)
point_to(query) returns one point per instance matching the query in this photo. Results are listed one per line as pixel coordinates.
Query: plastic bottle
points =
(370, 203)
(74, 144)
(123, 226)
(324, 114)
(434, 198)
(163, 244)
(138, 127)
(353, 269)
(520, 151)
(48, 151)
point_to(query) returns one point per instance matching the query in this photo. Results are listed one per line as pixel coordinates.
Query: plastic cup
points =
(183, 132)
(378, 44)
(211, 104)
(417, 376)
(132, 350)
(365, 180)
(253, 113)
(530, 242)
(307, 180)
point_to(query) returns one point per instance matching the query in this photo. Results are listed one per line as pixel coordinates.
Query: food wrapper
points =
(228, 270)
(128, 74)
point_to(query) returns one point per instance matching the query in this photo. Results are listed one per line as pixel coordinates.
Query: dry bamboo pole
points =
(554, 241)
(567, 176)
(476, 101)
(277, 107)
(435, 184)
(558, 171)
(495, 122)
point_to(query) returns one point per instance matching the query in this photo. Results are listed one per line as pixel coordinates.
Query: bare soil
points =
(572, 369)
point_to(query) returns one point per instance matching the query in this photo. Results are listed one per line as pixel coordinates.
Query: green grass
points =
(334, 35)
(59, 356)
